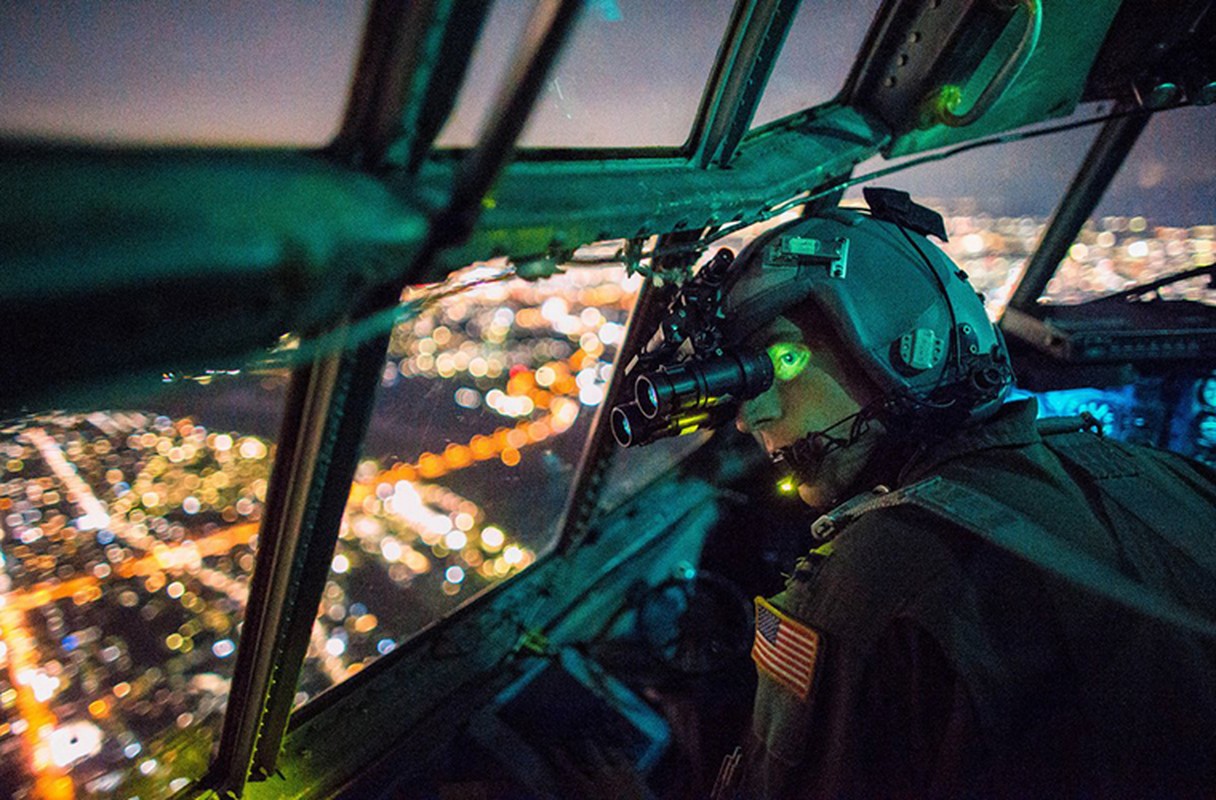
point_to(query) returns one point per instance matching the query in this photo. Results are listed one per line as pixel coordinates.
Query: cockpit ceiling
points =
(918, 50)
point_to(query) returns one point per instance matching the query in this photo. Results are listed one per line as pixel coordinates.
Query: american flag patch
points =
(785, 649)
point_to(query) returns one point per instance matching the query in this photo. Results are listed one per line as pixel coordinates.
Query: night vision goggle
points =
(685, 380)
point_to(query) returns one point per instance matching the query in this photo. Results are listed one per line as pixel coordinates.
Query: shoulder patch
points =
(785, 649)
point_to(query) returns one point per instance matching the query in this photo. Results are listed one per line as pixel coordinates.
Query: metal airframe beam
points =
(413, 58)
(745, 60)
(120, 265)
(304, 443)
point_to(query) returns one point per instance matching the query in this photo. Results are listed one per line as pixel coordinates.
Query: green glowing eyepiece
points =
(787, 485)
(789, 359)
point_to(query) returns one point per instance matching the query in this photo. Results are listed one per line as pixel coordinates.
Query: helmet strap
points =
(805, 457)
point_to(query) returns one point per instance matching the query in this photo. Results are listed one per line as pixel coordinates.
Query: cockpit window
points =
(127, 541)
(821, 47)
(268, 73)
(1157, 218)
(484, 408)
(996, 202)
(631, 74)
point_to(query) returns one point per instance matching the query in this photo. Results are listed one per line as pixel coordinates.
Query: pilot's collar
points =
(1012, 426)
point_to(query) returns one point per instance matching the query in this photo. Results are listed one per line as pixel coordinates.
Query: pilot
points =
(995, 607)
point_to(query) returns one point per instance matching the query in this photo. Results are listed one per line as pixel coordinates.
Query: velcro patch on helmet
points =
(799, 251)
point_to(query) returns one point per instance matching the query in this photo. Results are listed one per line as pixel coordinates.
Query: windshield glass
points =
(631, 74)
(817, 55)
(1157, 218)
(266, 73)
(996, 201)
(127, 541)
(484, 408)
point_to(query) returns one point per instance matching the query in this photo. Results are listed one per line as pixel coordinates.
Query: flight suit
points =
(943, 665)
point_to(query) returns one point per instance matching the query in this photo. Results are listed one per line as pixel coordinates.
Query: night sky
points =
(277, 72)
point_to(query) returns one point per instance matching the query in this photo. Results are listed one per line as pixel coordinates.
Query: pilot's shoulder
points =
(900, 545)
(1174, 466)
(876, 527)
(879, 564)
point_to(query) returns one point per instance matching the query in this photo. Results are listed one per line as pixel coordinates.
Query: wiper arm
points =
(1136, 292)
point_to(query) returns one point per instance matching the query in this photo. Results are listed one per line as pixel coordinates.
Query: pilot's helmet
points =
(900, 308)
